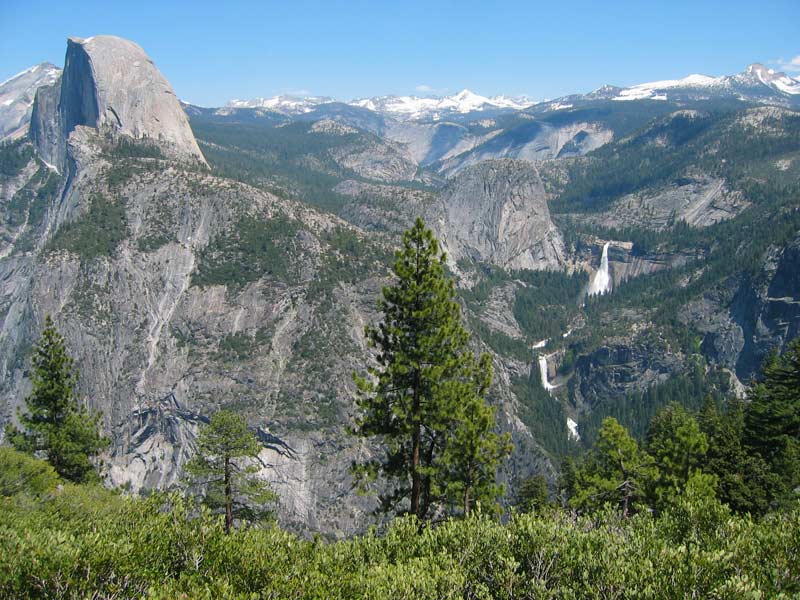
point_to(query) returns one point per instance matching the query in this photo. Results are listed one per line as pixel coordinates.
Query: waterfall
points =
(601, 284)
(573, 430)
(543, 372)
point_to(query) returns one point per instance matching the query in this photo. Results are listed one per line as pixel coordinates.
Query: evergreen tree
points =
(615, 471)
(744, 478)
(678, 447)
(424, 399)
(225, 466)
(473, 450)
(56, 425)
(533, 494)
(772, 421)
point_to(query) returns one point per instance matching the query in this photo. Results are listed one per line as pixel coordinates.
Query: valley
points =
(201, 258)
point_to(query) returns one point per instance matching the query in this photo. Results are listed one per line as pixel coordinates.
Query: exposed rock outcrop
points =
(496, 212)
(110, 84)
(17, 95)
(621, 366)
(535, 141)
(378, 160)
(700, 201)
(745, 318)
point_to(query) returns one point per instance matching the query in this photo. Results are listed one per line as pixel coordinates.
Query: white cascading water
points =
(601, 284)
(573, 430)
(543, 372)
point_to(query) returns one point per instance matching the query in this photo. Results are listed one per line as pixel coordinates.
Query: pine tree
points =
(772, 421)
(744, 478)
(533, 494)
(615, 471)
(678, 447)
(473, 450)
(225, 466)
(424, 399)
(56, 425)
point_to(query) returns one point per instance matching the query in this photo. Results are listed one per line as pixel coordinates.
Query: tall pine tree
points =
(225, 467)
(425, 398)
(772, 422)
(744, 479)
(56, 425)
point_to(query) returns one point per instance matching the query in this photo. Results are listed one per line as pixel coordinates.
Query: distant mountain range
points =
(402, 107)
(756, 83)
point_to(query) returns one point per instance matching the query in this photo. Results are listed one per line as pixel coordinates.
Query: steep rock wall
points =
(496, 212)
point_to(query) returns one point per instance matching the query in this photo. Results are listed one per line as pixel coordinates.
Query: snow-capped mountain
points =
(757, 81)
(759, 74)
(756, 84)
(656, 90)
(285, 104)
(16, 98)
(415, 107)
(398, 107)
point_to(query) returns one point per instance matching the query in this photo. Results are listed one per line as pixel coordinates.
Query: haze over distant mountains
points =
(755, 82)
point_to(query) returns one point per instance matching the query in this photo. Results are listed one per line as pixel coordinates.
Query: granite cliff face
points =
(180, 292)
(746, 317)
(110, 84)
(496, 212)
(17, 95)
(534, 141)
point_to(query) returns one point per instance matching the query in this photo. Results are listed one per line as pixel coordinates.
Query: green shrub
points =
(20, 473)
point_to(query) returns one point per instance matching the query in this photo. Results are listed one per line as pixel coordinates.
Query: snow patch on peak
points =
(17, 94)
(50, 73)
(285, 104)
(645, 91)
(416, 107)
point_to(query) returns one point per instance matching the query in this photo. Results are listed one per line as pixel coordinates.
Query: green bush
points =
(22, 473)
(85, 541)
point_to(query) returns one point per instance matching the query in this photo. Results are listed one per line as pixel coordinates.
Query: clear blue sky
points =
(212, 51)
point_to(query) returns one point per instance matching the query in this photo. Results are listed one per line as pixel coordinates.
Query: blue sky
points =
(214, 51)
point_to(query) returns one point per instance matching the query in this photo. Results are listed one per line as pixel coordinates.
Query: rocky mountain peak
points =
(16, 97)
(758, 73)
(131, 95)
(110, 84)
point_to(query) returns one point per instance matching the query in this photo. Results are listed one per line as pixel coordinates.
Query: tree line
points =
(746, 455)
(423, 402)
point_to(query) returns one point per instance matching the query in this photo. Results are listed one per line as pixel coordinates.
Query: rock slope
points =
(496, 212)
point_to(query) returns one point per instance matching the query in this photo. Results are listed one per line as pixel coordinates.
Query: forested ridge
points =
(701, 503)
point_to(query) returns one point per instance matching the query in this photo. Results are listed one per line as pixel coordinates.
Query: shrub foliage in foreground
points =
(85, 541)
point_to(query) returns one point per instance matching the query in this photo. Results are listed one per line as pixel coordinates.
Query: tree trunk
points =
(228, 497)
(625, 499)
(466, 501)
(416, 416)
